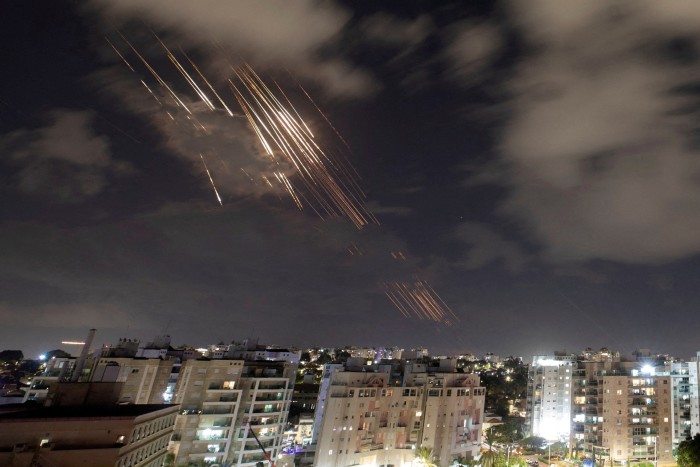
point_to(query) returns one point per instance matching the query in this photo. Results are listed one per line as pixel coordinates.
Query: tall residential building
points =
(681, 412)
(365, 420)
(694, 394)
(223, 403)
(549, 401)
(623, 410)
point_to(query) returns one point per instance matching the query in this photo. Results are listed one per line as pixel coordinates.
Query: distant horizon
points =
(527, 358)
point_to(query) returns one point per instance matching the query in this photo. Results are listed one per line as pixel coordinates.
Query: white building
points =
(549, 396)
(223, 403)
(362, 420)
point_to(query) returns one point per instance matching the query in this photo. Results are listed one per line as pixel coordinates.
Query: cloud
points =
(225, 144)
(600, 141)
(280, 34)
(65, 159)
(486, 246)
(390, 30)
(70, 315)
(471, 48)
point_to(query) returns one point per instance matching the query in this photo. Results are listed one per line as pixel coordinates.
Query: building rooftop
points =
(24, 412)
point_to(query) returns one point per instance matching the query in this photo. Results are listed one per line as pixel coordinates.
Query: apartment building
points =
(145, 380)
(98, 436)
(225, 405)
(694, 394)
(623, 410)
(681, 411)
(361, 419)
(549, 404)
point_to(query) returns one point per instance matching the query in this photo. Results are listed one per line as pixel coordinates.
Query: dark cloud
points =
(239, 267)
(66, 159)
(602, 166)
(485, 246)
(264, 33)
(471, 48)
(198, 136)
(397, 32)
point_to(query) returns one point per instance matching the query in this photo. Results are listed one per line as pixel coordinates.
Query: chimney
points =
(83, 355)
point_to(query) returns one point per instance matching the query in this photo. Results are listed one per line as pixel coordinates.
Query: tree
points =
(11, 356)
(342, 356)
(488, 458)
(689, 452)
(324, 358)
(533, 443)
(465, 462)
(425, 457)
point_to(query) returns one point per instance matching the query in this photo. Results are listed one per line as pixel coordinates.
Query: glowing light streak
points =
(186, 75)
(420, 300)
(211, 180)
(329, 186)
(206, 81)
(119, 54)
(157, 77)
(337, 133)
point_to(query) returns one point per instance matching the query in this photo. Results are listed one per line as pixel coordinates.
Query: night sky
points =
(536, 162)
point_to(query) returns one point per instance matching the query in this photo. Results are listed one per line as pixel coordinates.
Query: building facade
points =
(365, 421)
(224, 403)
(549, 403)
(107, 436)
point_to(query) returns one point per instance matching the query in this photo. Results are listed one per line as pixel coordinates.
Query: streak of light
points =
(151, 92)
(157, 77)
(72, 343)
(120, 130)
(420, 300)
(283, 132)
(206, 81)
(326, 185)
(354, 250)
(285, 181)
(398, 255)
(308, 96)
(119, 54)
(247, 175)
(186, 75)
(211, 180)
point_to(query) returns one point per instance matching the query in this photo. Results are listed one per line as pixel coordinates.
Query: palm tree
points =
(488, 458)
(425, 457)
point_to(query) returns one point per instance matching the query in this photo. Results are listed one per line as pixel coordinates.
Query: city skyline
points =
(533, 171)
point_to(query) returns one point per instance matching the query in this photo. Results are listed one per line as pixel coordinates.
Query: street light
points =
(656, 451)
